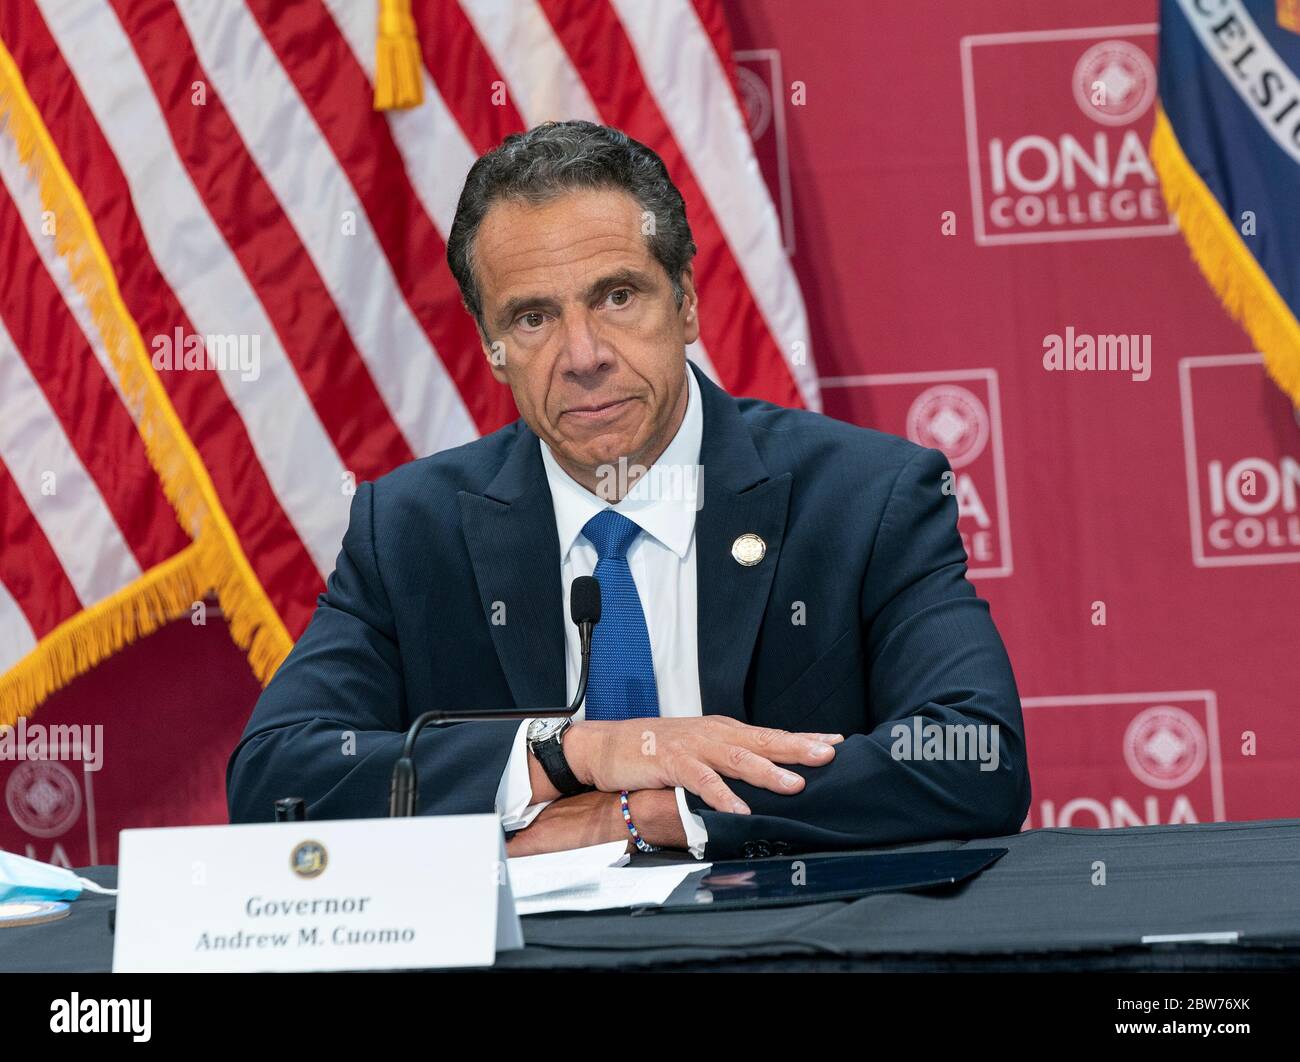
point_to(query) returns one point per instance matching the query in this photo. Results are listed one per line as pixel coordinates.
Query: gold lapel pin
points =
(748, 549)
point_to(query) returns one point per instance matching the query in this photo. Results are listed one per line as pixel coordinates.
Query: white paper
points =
(591, 879)
(554, 871)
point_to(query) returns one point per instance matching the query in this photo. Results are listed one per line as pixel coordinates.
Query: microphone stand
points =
(403, 791)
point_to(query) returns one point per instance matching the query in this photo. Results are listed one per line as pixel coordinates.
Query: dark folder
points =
(792, 880)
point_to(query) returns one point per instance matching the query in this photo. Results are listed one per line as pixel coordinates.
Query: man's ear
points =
(689, 314)
(495, 352)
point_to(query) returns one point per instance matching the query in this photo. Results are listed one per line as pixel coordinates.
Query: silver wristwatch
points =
(546, 742)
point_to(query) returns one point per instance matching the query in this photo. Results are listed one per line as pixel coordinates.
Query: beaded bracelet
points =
(641, 844)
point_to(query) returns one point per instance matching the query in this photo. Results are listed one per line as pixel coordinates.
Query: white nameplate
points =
(348, 894)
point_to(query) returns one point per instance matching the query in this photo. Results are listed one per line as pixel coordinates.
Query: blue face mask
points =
(26, 879)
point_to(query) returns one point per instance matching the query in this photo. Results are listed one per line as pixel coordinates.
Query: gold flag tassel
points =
(398, 66)
(1236, 276)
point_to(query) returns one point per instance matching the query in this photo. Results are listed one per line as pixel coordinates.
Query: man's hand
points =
(596, 818)
(571, 822)
(694, 753)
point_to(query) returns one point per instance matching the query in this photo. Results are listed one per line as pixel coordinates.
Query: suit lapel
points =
(739, 498)
(514, 547)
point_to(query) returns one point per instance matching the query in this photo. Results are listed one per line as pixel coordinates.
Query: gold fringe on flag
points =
(82, 641)
(398, 65)
(1232, 271)
(215, 561)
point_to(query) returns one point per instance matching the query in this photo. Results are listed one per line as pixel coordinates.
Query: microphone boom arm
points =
(403, 790)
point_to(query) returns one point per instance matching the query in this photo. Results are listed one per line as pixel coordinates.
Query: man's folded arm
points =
(517, 810)
(330, 725)
(932, 652)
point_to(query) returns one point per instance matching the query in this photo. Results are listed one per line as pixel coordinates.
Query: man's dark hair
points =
(558, 157)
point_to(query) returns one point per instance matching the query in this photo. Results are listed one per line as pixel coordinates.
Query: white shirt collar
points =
(653, 504)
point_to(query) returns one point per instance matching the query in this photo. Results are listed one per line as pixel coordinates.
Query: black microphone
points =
(584, 610)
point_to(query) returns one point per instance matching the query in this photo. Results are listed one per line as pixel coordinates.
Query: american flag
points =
(226, 299)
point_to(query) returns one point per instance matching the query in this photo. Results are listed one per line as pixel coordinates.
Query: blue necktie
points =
(621, 682)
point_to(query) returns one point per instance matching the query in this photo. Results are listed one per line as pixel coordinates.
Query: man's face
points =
(592, 340)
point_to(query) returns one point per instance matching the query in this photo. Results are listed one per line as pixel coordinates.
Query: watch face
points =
(544, 729)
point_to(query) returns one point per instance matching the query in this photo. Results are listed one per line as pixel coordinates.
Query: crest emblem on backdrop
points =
(952, 419)
(1126, 76)
(1165, 747)
(44, 798)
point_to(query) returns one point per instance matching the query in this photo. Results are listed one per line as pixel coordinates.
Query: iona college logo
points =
(952, 419)
(43, 797)
(1114, 82)
(1165, 747)
(959, 414)
(1057, 123)
(756, 101)
(1168, 740)
(1242, 454)
(762, 88)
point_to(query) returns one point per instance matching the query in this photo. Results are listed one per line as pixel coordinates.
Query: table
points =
(1041, 907)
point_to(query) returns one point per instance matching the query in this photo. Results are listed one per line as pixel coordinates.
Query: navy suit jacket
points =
(858, 616)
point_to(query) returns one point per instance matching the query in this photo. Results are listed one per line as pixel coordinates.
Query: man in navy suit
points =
(789, 656)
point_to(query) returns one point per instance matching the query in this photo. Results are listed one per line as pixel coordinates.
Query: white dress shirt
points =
(662, 561)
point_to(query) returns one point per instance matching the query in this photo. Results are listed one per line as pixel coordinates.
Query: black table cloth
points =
(1041, 906)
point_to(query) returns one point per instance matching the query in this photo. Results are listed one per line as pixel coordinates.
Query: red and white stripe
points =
(82, 514)
(281, 206)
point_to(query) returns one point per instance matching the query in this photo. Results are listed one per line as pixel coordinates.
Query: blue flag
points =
(1227, 148)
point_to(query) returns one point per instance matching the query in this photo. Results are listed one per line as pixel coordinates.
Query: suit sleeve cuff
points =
(696, 835)
(515, 791)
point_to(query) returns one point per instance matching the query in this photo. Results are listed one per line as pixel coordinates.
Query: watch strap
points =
(550, 754)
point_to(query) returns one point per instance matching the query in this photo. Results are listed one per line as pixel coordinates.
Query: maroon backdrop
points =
(1137, 539)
